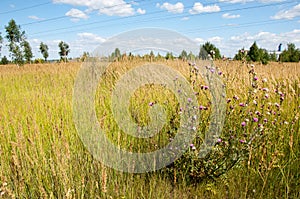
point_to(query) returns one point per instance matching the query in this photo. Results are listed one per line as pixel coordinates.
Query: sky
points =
(84, 24)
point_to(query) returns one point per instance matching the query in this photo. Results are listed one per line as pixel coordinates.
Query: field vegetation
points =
(257, 156)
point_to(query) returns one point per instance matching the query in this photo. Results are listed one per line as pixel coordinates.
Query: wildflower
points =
(151, 103)
(255, 102)
(236, 97)
(255, 78)
(266, 96)
(201, 107)
(265, 120)
(257, 113)
(255, 119)
(242, 104)
(242, 141)
(265, 89)
(189, 99)
(243, 124)
(192, 146)
(247, 120)
(285, 122)
(264, 80)
(220, 73)
(219, 140)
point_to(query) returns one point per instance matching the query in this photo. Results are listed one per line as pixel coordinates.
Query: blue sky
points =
(85, 24)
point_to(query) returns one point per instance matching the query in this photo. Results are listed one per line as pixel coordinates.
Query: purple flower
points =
(255, 78)
(192, 146)
(151, 104)
(236, 97)
(201, 107)
(243, 123)
(189, 99)
(266, 96)
(220, 73)
(265, 89)
(219, 140)
(255, 119)
(257, 113)
(265, 120)
(242, 104)
(242, 141)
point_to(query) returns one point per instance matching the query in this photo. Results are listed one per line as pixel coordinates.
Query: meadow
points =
(257, 156)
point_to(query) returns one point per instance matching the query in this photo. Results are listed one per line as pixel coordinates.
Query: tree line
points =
(21, 51)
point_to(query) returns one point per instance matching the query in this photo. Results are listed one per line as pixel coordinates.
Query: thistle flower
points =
(255, 102)
(151, 103)
(242, 141)
(242, 104)
(243, 124)
(236, 97)
(264, 80)
(255, 119)
(219, 140)
(192, 146)
(265, 89)
(266, 96)
(257, 113)
(255, 78)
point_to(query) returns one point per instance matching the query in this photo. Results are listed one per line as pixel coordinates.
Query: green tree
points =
(241, 55)
(183, 55)
(16, 38)
(4, 60)
(254, 53)
(44, 50)
(64, 50)
(291, 54)
(27, 51)
(169, 55)
(209, 49)
(273, 57)
(191, 56)
(264, 56)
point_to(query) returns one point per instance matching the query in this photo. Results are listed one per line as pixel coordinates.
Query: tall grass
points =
(43, 157)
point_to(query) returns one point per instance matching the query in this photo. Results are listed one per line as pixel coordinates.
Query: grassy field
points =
(42, 155)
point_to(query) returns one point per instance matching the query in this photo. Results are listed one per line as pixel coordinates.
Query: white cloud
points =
(230, 16)
(35, 17)
(90, 37)
(173, 8)
(267, 40)
(141, 11)
(76, 14)
(288, 14)
(107, 7)
(246, 1)
(199, 8)
(185, 18)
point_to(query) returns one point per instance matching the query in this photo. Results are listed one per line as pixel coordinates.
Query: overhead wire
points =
(168, 17)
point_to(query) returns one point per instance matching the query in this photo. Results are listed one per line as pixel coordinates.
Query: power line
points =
(26, 8)
(154, 18)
